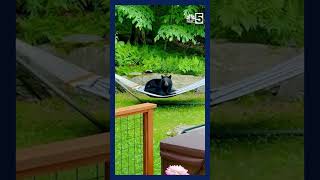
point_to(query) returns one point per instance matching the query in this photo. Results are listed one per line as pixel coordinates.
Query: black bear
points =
(161, 86)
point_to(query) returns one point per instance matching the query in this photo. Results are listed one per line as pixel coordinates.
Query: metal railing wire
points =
(134, 140)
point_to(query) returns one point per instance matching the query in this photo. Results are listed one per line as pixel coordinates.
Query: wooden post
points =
(148, 142)
(106, 171)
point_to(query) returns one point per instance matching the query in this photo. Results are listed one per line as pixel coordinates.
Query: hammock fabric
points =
(42, 61)
(140, 88)
(80, 78)
(275, 75)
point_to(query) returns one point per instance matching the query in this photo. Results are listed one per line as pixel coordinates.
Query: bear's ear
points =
(169, 77)
(162, 76)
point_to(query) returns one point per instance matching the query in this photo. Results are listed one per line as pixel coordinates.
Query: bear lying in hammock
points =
(161, 86)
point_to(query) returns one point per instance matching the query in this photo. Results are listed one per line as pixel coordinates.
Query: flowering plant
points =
(176, 170)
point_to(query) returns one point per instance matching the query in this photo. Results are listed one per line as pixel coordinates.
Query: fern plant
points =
(131, 58)
(174, 26)
(267, 21)
(167, 23)
(56, 7)
(141, 16)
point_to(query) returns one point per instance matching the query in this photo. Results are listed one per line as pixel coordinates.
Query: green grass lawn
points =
(52, 120)
(257, 158)
(231, 158)
(49, 121)
(168, 115)
(263, 158)
(258, 112)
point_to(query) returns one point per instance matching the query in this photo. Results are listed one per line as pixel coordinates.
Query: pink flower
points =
(176, 170)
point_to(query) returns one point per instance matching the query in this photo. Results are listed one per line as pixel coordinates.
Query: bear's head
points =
(166, 83)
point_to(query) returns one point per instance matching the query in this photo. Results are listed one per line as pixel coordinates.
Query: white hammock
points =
(140, 88)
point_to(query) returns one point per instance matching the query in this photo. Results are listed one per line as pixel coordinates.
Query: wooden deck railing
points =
(147, 110)
(64, 155)
(70, 154)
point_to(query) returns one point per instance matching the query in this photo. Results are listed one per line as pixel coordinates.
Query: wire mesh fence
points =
(129, 145)
(92, 172)
(134, 140)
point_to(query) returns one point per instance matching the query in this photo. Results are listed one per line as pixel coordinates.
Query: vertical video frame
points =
(159, 125)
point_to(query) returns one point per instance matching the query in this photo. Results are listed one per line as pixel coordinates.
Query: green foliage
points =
(59, 7)
(166, 22)
(37, 30)
(160, 24)
(192, 65)
(130, 58)
(183, 33)
(126, 54)
(140, 15)
(278, 22)
(43, 21)
(174, 26)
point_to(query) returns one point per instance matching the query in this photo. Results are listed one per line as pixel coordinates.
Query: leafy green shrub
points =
(130, 58)
(191, 65)
(174, 27)
(59, 7)
(140, 15)
(166, 23)
(279, 22)
(183, 33)
(38, 30)
(127, 55)
(43, 21)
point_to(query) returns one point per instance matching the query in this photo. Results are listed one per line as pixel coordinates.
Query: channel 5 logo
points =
(196, 18)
